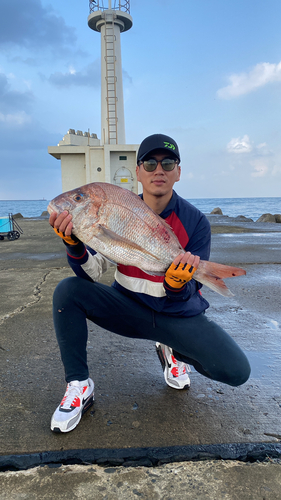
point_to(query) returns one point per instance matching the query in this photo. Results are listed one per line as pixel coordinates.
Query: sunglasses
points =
(168, 164)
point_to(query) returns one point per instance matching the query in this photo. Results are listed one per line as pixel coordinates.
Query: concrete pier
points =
(136, 419)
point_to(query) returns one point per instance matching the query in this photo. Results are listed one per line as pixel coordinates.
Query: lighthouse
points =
(84, 157)
(110, 22)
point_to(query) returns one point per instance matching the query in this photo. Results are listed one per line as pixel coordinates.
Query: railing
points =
(122, 5)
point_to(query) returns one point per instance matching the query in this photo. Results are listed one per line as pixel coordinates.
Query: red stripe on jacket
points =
(178, 228)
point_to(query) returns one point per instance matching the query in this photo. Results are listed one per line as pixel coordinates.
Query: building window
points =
(122, 158)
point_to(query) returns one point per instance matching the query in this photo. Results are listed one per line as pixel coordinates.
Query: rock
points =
(217, 211)
(18, 216)
(277, 218)
(266, 218)
(242, 218)
(45, 213)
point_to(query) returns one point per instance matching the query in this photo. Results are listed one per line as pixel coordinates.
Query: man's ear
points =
(179, 173)
(137, 172)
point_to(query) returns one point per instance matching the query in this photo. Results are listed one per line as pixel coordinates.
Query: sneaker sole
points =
(86, 407)
(163, 364)
(161, 357)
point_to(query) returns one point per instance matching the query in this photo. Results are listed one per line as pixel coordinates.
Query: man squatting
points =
(168, 310)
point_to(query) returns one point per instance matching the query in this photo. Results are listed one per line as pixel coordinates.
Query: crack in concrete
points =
(36, 295)
(270, 434)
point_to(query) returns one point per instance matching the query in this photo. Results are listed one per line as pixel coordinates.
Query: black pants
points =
(196, 340)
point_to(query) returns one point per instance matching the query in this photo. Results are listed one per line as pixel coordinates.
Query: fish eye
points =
(78, 197)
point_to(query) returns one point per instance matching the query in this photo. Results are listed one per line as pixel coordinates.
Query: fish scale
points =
(139, 232)
(118, 224)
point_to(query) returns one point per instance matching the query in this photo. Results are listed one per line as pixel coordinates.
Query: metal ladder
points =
(111, 79)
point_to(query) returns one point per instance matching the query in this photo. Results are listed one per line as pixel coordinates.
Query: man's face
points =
(159, 182)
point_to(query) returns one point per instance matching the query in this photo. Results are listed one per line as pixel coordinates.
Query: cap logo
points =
(169, 145)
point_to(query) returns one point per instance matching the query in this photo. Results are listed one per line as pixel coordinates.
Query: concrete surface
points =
(211, 480)
(136, 418)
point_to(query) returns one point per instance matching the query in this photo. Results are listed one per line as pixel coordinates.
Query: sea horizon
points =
(251, 207)
(197, 198)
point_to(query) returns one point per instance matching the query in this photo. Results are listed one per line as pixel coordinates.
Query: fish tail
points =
(211, 274)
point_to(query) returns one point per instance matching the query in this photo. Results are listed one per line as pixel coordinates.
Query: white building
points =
(84, 157)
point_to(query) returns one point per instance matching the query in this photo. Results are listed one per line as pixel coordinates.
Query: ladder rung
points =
(111, 99)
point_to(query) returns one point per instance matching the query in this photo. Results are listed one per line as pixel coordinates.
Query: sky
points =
(205, 72)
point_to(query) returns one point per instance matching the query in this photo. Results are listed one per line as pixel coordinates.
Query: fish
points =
(118, 224)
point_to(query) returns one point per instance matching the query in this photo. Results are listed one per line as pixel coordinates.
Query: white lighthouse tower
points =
(110, 22)
(107, 159)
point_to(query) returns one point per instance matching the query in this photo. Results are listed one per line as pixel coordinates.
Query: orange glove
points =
(69, 240)
(178, 276)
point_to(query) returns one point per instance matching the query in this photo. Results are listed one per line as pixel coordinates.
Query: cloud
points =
(12, 100)
(260, 169)
(29, 61)
(243, 145)
(239, 145)
(18, 119)
(28, 24)
(244, 83)
(188, 175)
(258, 161)
(88, 77)
(263, 150)
(20, 132)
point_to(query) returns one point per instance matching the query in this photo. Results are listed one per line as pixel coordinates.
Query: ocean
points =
(233, 207)
(27, 208)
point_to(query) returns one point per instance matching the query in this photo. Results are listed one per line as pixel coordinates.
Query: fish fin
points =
(211, 274)
(220, 270)
(215, 284)
(106, 233)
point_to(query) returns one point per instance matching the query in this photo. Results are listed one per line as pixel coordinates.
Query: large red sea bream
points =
(118, 224)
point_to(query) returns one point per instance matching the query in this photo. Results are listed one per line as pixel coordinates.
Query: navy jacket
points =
(193, 231)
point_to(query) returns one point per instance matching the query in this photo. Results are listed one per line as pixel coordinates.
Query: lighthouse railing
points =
(122, 5)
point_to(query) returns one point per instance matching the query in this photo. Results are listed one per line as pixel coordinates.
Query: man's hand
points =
(181, 270)
(62, 225)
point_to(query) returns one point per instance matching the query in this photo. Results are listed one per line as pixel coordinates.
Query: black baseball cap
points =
(155, 142)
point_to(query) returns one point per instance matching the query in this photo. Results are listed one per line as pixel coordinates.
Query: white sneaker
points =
(175, 372)
(77, 400)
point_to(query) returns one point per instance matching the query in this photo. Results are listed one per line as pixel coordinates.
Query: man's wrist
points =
(170, 288)
(68, 240)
